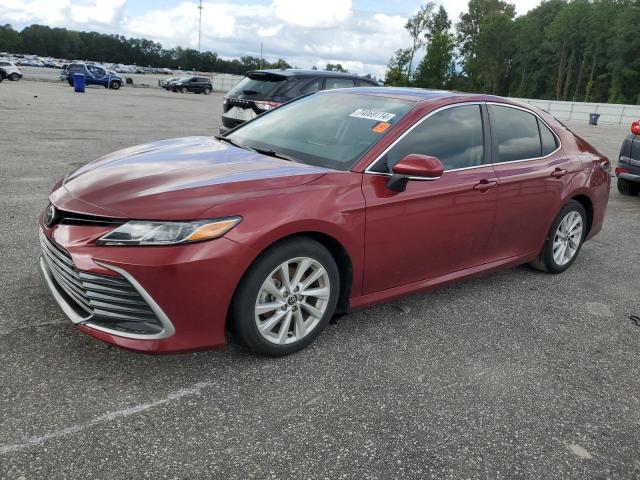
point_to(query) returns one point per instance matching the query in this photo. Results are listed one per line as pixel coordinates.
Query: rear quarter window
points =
(516, 133)
(548, 139)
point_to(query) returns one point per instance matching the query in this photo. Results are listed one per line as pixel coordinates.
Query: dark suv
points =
(628, 169)
(192, 84)
(262, 90)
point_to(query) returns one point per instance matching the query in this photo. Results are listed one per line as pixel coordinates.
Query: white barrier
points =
(224, 82)
(609, 112)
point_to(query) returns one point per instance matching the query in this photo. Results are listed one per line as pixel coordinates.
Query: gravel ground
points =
(515, 375)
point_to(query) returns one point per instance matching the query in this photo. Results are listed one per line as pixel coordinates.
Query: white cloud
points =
(325, 13)
(303, 32)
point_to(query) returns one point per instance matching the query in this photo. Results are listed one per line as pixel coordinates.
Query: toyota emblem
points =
(50, 216)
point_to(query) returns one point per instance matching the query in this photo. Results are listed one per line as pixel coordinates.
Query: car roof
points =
(422, 94)
(293, 72)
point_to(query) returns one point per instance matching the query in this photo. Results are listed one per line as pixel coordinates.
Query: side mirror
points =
(414, 165)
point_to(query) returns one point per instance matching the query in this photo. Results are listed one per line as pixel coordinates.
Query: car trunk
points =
(240, 103)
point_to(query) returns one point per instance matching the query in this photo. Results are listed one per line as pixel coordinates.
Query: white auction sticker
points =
(376, 115)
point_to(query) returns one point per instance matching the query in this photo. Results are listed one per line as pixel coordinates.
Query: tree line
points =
(92, 46)
(578, 50)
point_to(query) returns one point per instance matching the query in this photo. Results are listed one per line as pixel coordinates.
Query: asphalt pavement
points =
(518, 374)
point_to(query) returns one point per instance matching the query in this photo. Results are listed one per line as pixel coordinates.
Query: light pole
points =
(200, 27)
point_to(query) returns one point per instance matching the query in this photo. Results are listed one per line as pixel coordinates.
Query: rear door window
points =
(515, 133)
(331, 83)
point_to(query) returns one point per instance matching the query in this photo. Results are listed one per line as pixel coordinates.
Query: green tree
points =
(437, 67)
(418, 27)
(396, 74)
(9, 39)
(484, 36)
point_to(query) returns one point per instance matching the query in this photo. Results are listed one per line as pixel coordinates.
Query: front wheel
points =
(115, 85)
(564, 240)
(183, 90)
(14, 77)
(286, 298)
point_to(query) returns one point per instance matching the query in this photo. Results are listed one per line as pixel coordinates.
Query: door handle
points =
(485, 185)
(559, 172)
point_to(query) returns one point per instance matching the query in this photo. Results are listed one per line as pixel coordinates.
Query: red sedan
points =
(335, 201)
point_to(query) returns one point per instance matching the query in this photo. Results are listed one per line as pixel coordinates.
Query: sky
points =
(359, 34)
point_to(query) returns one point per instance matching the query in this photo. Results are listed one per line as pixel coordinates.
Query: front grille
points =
(109, 301)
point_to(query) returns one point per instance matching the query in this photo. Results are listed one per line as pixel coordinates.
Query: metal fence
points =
(609, 113)
(224, 82)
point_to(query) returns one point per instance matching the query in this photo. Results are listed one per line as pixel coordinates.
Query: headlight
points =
(137, 232)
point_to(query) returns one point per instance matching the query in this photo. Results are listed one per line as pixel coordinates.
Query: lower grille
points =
(108, 301)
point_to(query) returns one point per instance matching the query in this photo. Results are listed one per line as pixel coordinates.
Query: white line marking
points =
(106, 417)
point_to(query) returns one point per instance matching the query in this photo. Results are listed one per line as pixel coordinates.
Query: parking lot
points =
(518, 374)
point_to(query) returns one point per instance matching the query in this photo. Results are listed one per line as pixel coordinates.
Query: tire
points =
(284, 308)
(70, 82)
(115, 85)
(14, 77)
(183, 90)
(206, 91)
(557, 237)
(625, 187)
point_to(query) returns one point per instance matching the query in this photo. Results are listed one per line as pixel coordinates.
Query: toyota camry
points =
(335, 201)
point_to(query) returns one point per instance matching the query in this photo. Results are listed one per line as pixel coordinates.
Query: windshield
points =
(330, 130)
(262, 84)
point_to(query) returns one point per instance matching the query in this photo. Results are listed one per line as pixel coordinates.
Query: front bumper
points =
(188, 287)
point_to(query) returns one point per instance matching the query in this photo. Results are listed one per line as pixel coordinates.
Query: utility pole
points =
(200, 27)
(260, 55)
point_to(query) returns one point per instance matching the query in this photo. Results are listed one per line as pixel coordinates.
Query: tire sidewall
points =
(552, 266)
(243, 316)
(115, 85)
(14, 77)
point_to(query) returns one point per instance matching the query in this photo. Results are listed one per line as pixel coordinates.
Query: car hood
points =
(176, 179)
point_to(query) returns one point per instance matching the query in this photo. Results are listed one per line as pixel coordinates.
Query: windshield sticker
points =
(381, 127)
(376, 115)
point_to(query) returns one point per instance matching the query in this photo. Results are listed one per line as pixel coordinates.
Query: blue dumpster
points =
(78, 82)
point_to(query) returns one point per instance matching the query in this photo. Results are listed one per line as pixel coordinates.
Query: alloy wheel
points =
(567, 238)
(292, 300)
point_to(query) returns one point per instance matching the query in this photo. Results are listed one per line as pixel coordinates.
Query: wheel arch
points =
(335, 248)
(587, 203)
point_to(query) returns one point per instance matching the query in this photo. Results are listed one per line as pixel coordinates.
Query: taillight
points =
(635, 128)
(620, 170)
(267, 105)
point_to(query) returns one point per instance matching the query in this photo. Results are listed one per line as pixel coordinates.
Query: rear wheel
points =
(183, 90)
(207, 91)
(14, 77)
(625, 187)
(286, 298)
(564, 240)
